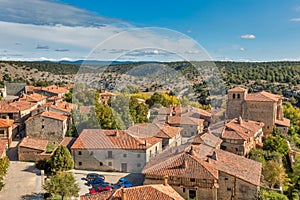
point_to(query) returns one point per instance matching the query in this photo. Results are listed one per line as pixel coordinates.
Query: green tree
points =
(4, 163)
(276, 143)
(257, 155)
(274, 174)
(62, 159)
(62, 184)
(271, 195)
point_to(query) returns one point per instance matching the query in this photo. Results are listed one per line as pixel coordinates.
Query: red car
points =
(93, 191)
(104, 188)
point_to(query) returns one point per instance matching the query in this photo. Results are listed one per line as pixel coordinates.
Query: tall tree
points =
(62, 159)
(274, 174)
(62, 184)
(4, 163)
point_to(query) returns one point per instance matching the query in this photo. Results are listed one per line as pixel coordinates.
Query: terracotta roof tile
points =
(68, 142)
(206, 138)
(244, 130)
(111, 139)
(6, 123)
(263, 96)
(177, 120)
(145, 192)
(238, 89)
(285, 122)
(33, 97)
(55, 89)
(34, 143)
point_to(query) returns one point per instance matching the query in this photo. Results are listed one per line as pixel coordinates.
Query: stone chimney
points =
(7, 119)
(123, 195)
(166, 181)
(240, 120)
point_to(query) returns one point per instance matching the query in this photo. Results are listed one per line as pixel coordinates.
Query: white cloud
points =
(242, 49)
(295, 20)
(248, 36)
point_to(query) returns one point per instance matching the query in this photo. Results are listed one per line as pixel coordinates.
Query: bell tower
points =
(235, 102)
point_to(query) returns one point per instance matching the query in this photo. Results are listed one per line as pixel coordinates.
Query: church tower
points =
(235, 102)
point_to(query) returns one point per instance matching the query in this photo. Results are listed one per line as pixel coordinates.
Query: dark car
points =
(93, 176)
(123, 182)
(95, 181)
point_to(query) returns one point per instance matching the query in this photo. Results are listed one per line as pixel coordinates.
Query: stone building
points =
(206, 138)
(52, 90)
(203, 172)
(18, 110)
(170, 135)
(190, 126)
(32, 149)
(262, 106)
(47, 125)
(6, 130)
(240, 136)
(34, 98)
(113, 150)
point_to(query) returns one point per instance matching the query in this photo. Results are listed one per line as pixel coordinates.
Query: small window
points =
(233, 96)
(109, 154)
(226, 179)
(80, 163)
(110, 164)
(193, 180)
(238, 96)
(155, 150)
(138, 165)
(124, 155)
(43, 126)
(192, 194)
(228, 189)
(139, 155)
(91, 153)
(183, 190)
(150, 153)
(101, 163)
(79, 153)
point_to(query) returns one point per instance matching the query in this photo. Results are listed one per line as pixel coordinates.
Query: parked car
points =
(123, 182)
(102, 188)
(93, 176)
(95, 181)
(93, 191)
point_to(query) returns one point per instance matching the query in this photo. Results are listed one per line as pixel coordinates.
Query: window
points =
(124, 155)
(192, 194)
(43, 126)
(155, 150)
(183, 190)
(193, 180)
(238, 96)
(110, 164)
(138, 165)
(139, 155)
(226, 179)
(80, 163)
(233, 96)
(228, 189)
(101, 163)
(91, 153)
(109, 154)
(150, 153)
(79, 153)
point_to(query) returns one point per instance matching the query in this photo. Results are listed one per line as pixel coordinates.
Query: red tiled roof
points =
(145, 192)
(239, 166)
(55, 89)
(34, 143)
(244, 130)
(23, 105)
(33, 97)
(285, 122)
(263, 96)
(203, 163)
(6, 123)
(54, 115)
(111, 139)
(177, 120)
(237, 89)
(206, 138)
(15, 107)
(68, 142)
(61, 106)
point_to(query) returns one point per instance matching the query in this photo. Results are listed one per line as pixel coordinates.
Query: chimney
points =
(7, 119)
(240, 120)
(145, 143)
(123, 196)
(165, 180)
(116, 133)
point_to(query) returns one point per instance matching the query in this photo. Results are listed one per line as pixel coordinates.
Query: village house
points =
(32, 149)
(61, 107)
(144, 192)
(47, 125)
(203, 172)
(34, 98)
(240, 136)
(18, 110)
(206, 138)
(190, 126)
(170, 135)
(262, 106)
(113, 150)
(52, 90)
(6, 130)
(105, 96)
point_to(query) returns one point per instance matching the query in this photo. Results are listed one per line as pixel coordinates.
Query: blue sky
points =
(241, 30)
